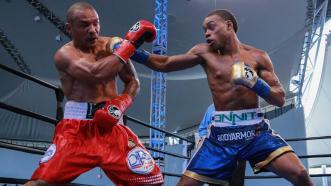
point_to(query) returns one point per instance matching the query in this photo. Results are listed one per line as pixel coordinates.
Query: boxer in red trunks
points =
(91, 133)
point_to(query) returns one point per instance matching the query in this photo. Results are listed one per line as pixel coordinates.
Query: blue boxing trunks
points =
(233, 135)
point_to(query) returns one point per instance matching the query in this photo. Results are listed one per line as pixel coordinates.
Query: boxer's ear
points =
(229, 25)
(68, 26)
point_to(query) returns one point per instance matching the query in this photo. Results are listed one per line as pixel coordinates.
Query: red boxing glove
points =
(112, 111)
(139, 33)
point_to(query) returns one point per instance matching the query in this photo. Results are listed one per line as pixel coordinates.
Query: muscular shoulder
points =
(260, 56)
(103, 40)
(199, 49)
(63, 55)
(64, 51)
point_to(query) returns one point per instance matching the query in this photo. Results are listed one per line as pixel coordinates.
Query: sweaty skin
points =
(226, 95)
(217, 57)
(88, 70)
(221, 50)
(86, 67)
(81, 81)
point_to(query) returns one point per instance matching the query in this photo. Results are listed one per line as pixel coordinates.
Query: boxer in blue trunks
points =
(206, 120)
(237, 74)
(239, 173)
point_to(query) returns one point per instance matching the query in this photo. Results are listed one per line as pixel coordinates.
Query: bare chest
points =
(93, 57)
(219, 67)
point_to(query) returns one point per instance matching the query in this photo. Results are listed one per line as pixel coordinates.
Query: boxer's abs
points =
(92, 93)
(227, 96)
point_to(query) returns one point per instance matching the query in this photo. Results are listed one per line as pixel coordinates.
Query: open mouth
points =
(92, 39)
(210, 41)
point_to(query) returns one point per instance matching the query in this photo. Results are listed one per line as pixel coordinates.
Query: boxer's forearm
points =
(106, 68)
(276, 96)
(171, 63)
(132, 87)
(130, 79)
(157, 62)
(99, 71)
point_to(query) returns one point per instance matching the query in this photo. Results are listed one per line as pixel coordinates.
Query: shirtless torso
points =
(218, 70)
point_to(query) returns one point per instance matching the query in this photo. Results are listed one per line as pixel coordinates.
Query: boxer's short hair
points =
(227, 16)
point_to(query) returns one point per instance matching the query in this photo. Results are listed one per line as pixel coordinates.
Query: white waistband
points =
(237, 117)
(76, 110)
(79, 110)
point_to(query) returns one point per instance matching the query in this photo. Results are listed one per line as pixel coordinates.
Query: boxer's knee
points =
(300, 176)
(187, 181)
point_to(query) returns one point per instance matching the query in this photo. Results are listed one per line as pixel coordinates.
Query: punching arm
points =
(168, 63)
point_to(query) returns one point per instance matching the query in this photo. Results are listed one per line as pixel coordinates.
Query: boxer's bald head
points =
(77, 7)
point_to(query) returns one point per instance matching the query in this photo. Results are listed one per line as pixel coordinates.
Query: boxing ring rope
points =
(54, 121)
(158, 129)
(22, 148)
(28, 113)
(60, 96)
(270, 177)
(308, 138)
(29, 77)
(58, 91)
(59, 24)
(39, 151)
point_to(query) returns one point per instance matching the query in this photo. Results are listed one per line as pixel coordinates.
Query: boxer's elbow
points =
(279, 98)
(132, 87)
(280, 102)
(136, 85)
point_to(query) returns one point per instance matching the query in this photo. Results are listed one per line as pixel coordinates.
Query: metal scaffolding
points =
(315, 24)
(158, 79)
(55, 20)
(14, 53)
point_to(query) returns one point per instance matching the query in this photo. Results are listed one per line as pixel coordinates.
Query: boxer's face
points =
(85, 27)
(216, 31)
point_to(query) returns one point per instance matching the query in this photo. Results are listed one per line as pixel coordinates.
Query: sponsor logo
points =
(114, 111)
(135, 27)
(245, 135)
(233, 117)
(249, 73)
(140, 161)
(48, 154)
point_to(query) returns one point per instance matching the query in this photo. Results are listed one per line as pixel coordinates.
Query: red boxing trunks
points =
(79, 146)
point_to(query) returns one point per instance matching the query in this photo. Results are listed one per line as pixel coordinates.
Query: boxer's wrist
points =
(261, 88)
(242, 74)
(109, 115)
(140, 56)
(124, 51)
